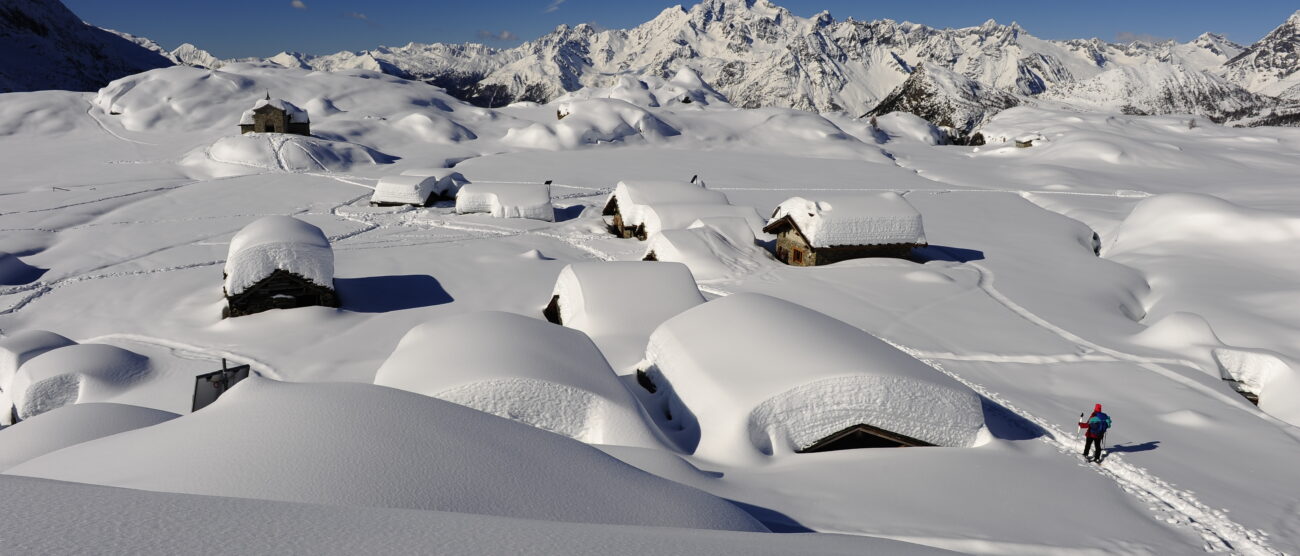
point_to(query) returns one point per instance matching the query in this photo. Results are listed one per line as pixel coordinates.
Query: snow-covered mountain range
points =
(760, 54)
(756, 54)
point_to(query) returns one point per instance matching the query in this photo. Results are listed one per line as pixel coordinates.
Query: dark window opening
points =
(644, 380)
(796, 256)
(552, 311)
(862, 436)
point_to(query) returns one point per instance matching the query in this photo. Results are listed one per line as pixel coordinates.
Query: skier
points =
(1097, 425)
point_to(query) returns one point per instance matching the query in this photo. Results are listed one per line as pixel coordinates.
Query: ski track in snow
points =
(262, 368)
(1173, 506)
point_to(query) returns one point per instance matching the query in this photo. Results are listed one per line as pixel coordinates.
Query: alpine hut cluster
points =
(274, 115)
(811, 233)
(278, 262)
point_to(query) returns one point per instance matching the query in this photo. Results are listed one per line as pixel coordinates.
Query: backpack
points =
(1098, 424)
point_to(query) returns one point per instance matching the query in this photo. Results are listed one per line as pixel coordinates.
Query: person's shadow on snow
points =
(1126, 448)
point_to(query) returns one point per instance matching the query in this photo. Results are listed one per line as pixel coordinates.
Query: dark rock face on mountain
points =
(947, 99)
(1272, 65)
(49, 47)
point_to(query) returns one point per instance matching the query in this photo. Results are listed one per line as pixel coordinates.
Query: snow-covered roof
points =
(871, 219)
(296, 115)
(618, 304)
(71, 374)
(713, 248)
(278, 243)
(631, 196)
(521, 368)
(506, 200)
(414, 190)
(23, 345)
(364, 445)
(440, 173)
(761, 373)
(677, 216)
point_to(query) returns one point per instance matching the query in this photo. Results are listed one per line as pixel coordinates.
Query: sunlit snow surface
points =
(118, 211)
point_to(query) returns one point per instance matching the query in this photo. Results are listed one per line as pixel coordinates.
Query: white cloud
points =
(555, 5)
(502, 36)
(299, 4)
(356, 15)
(1129, 36)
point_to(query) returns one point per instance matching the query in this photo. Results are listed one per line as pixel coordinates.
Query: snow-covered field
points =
(1132, 261)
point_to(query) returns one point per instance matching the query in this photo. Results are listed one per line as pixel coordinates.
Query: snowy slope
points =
(363, 445)
(120, 239)
(49, 47)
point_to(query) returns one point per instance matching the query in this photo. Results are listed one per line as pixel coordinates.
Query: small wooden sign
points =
(208, 387)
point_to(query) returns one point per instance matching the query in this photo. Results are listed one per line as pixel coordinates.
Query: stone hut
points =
(278, 262)
(273, 115)
(811, 233)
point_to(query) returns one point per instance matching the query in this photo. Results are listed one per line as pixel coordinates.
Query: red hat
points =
(1097, 409)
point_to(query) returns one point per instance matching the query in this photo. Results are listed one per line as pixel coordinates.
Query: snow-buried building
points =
(278, 262)
(618, 304)
(15, 350)
(420, 191)
(641, 208)
(520, 368)
(750, 372)
(74, 374)
(507, 200)
(811, 233)
(274, 115)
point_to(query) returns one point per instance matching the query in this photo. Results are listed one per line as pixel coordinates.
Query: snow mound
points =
(685, 88)
(73, 374)
(364, 445)
(800, 126)
(519, 368)
(59, 517)
(712, 248)
(872, 219)
(434, 128)
(22, 346)
(507, 200)
(593, 121)
(43, 113)
(909, 126)
(618, 304)
(281, 152)
(275, 243)
(1193, 217)
(730, 363)
(72, 424)
(408, 190)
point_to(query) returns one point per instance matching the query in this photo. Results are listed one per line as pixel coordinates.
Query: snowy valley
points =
(628, 312)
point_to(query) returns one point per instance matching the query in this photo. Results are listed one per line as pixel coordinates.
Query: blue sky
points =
(238, 28)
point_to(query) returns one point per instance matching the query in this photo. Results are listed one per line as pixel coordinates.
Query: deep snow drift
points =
(519, 368)
(360, 445)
